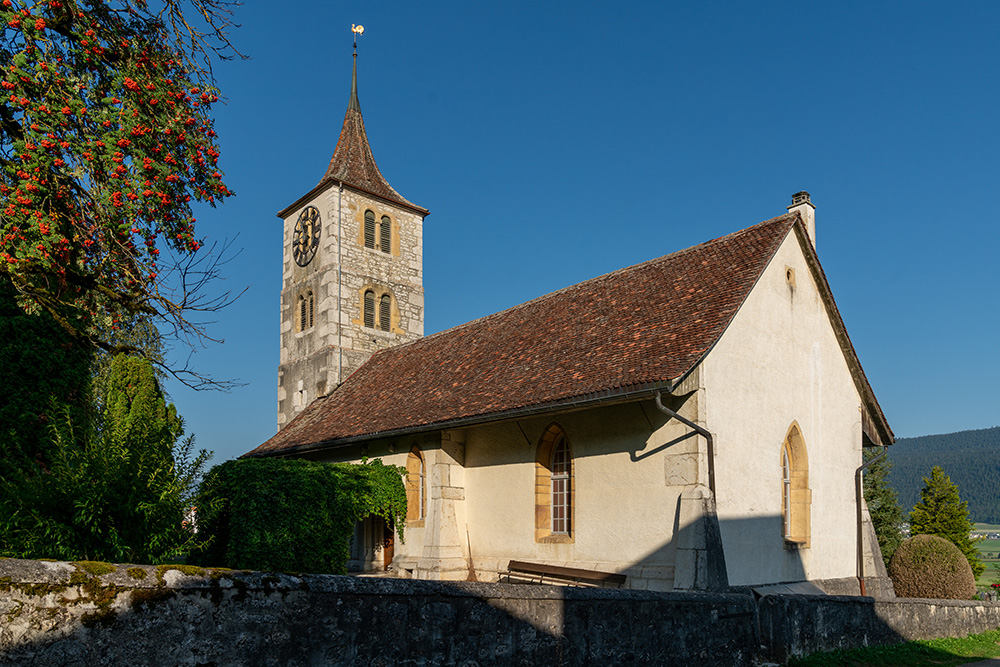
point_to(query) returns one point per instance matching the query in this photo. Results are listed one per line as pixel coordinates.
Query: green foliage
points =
(941, 512)
(928, 566)
(970, 459)
(946, 652)
(116, 491)
(106, 139)
(883, 505)
(44, 375)
(290, 515)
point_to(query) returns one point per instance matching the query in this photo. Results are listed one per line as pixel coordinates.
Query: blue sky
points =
(553, 142)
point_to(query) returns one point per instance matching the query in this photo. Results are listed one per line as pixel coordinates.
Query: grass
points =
(988, 527)
(946, 652)
(989, 550)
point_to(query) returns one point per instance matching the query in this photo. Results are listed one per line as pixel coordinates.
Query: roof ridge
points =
(595, 279)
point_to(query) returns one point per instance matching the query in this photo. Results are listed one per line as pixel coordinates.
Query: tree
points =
(106, 139)
(941, 512)
(883, 506)
(44, 377)
(119, 496)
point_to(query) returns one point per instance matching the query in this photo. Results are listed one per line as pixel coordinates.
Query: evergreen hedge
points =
(289, 515)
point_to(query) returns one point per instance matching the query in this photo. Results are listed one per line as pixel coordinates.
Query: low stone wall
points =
(796, 625)
(93, 614)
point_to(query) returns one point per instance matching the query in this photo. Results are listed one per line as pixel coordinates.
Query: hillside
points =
(970, 458)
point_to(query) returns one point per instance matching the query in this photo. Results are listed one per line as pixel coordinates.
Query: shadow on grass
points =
(946, 652)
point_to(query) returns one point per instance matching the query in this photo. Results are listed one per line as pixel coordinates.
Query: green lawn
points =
(991, 527)
(988, 552)
(933, 652)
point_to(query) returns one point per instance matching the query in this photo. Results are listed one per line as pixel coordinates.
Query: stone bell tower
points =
(352, 271)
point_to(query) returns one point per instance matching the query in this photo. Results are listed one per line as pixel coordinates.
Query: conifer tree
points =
(883, 506)
(941, 512)
(116, 491)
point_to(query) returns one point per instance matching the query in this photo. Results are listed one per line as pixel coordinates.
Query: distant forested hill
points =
(970, 458)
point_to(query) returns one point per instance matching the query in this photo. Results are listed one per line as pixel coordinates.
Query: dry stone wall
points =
(84, 614)
(63, 614)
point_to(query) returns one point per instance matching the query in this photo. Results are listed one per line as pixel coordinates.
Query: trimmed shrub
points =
(927, 566)
(289, 515)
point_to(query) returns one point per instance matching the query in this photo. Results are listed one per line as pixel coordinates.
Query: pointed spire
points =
(354, 103)
(353, 163)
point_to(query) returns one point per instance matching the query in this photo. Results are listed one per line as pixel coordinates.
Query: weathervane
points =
(357, 30)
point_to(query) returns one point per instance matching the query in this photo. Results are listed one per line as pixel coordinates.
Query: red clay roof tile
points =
(631, 330)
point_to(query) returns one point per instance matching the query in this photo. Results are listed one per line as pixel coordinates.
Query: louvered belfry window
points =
(302, 314)
(385, 312)
(560, 488)
(369, 229)
(370, 309)
(310, 307)
(386, 240)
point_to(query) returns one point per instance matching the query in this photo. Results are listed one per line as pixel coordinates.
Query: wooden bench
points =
(538, 573)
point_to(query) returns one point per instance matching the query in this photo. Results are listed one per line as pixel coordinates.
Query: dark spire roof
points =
(353, 163)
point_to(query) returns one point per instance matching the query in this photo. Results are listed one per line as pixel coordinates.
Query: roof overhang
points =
(328, 183)
(607, 397)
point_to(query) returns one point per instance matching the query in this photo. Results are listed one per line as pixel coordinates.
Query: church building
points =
(694, 422)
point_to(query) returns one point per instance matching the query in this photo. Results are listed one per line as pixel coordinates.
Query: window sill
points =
(555, 539)
(414, 523)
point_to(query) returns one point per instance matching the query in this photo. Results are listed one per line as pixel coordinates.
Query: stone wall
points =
(310, 360)
(80, 614)
(796, 625)
(83, 614)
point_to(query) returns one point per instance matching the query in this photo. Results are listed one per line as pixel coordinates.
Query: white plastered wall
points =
(779, 362)
(626, 489)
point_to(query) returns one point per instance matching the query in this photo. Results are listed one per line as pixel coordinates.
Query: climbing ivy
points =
(290, 515)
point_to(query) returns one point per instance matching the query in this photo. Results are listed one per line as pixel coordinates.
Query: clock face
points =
(306, 237)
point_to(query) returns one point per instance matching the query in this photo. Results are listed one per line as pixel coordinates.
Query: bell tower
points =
(352, 270)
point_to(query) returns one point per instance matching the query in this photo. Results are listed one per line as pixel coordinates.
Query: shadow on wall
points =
(700, 563)
(223, 617)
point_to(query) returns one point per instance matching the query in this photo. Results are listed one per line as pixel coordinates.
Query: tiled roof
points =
(631, 330)
(352, 162)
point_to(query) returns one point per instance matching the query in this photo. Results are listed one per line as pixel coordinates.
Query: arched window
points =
(370, 309)
(308, 320)
(385, 239)
(560, 483)
(796, 497)
(416, 486)
(554, 487)
(385, 313)
(299, 323)
(369, 229)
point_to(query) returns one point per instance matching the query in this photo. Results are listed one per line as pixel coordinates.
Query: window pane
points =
(560, 476)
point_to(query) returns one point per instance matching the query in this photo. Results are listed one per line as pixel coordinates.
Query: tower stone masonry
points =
(352, 271)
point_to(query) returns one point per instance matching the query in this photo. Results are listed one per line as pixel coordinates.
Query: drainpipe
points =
(859, 496)
(702, 432)
(340, 264)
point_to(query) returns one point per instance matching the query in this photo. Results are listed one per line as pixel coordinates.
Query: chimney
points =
(805, 208)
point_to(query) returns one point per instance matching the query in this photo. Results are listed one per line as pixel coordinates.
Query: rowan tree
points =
(106, 141)
(941, 512)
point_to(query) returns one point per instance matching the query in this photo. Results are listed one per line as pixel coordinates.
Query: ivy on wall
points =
(290, 515)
